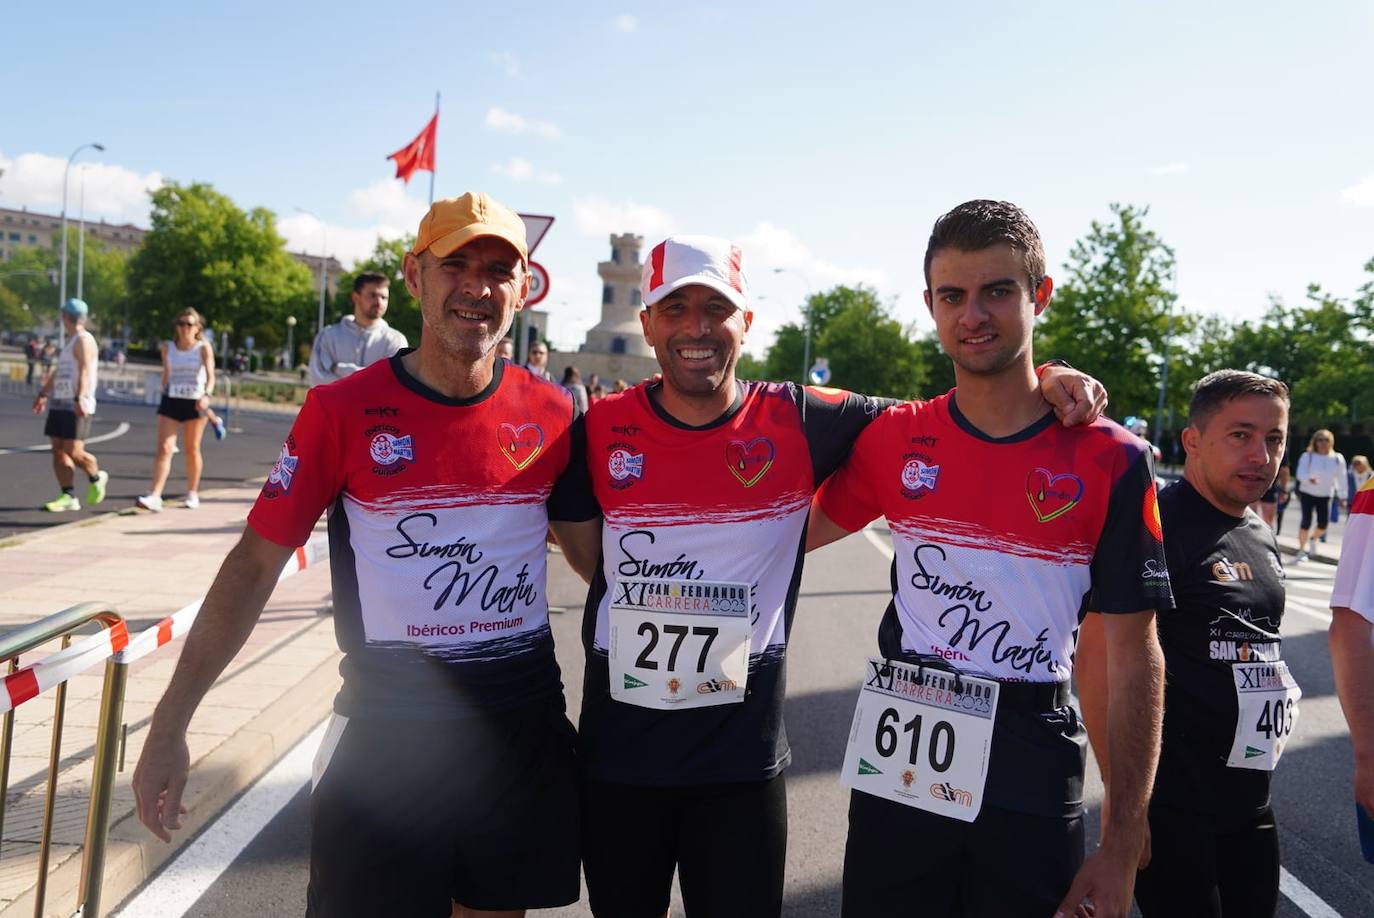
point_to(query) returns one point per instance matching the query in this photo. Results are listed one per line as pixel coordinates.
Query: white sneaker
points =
(1300, 557)
(151, 502)
(192, 500)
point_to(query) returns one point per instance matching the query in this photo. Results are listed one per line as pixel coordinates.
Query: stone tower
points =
(619, 331)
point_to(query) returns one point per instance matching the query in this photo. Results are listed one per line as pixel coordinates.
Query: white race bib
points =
(184, 390)
(679, 643)
(64, 387)
(1267, 711)
(922, 737)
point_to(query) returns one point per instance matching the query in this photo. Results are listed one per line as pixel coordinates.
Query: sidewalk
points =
(149, 565)
(1328, 552)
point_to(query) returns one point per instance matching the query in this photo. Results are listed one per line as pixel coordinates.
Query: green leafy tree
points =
(1111, 315)
(230, 264)
(939, 368)
(403, 310)
(869, 351)
(32, 274)
(749, 367)
(787, 354)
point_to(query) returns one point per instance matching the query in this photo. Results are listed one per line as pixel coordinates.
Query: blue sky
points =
(826, 138)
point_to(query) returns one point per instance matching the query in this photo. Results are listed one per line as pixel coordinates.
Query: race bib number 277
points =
(678, 644)
(922, 737)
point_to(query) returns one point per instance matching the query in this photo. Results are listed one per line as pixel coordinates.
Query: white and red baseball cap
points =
(681, 260)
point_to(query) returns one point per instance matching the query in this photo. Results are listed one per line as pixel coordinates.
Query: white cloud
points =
(388, 202)
(387, 212)
(1361, 193)
(501, 120)
(522, 170)
(508, 62)
(599, 217)
(626, 23)
(768, 247)
(1169, 169)
(113, 192)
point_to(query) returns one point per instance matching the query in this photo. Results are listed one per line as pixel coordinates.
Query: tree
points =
(403, 310)
(203, 251)
(869, 351)
(1112, 315)
(749, 367)
(939, 368)
(787, 354)
(33, 274)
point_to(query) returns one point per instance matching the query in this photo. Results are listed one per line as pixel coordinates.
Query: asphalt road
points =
(26, 477)
(843, 593)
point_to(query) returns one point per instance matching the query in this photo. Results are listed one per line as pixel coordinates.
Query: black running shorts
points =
(728, 842)
(1195, 870)
(899, 860)
(178, 409)
(408, 817)
(65, 425)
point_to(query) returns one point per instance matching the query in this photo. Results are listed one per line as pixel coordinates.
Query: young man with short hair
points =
(1006, 527)
(68, 395)
(359, 340)
(1229, 701)
(447, 773)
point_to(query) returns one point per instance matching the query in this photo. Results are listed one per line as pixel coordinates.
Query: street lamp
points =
(62, 293)
(290, 341)
(806, 315)
(324, 248)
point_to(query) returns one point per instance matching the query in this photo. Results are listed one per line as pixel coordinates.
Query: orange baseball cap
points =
(454, 222)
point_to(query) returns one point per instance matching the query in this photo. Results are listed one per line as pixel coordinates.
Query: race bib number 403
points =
(1267, 710)
(679, 643)
(922, 737)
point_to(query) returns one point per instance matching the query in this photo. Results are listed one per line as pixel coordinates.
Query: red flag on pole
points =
(419, 153)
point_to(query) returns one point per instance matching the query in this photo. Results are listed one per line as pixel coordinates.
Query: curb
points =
(28, 538)
(133, 854)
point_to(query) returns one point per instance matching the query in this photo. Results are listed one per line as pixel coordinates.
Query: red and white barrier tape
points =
(53, 670)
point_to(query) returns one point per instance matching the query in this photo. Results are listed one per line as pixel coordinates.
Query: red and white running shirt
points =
(1001, 545)
(439, 509)
(1354, 586)
(726, 502)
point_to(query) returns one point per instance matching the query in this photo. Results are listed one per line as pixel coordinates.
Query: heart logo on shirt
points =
(1050, 495)
(520, 444)
(749, 461)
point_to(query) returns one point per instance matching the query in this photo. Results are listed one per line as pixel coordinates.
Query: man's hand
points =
(1076, 397)
(160, 779)
(1103, 886)
(39, 402)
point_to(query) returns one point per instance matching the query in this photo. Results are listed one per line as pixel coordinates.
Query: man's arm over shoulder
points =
(574, 514)
(849, 499)
(226, 618)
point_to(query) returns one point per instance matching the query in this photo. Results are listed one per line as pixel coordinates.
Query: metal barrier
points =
(62, 625)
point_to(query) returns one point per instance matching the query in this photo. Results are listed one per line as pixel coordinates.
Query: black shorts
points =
(178, 409)
(63, 424)
(728, 842)
(1197, 871)
(899, 860)
(1321, 506)
(411, 816)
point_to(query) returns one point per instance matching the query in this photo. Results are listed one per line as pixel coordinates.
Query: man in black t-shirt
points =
(1230, 703)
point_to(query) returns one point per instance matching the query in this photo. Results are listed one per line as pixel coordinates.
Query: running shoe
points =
(151, 502)
(192, 500)
(1300, 557)
(63, 503)
(96, 492)
(220, 432)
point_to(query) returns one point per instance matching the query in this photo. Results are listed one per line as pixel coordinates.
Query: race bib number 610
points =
(922, 737)
(679, 643)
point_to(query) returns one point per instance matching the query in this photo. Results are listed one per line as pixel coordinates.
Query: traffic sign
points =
(539, 283)
(820, 372)
(536, 227)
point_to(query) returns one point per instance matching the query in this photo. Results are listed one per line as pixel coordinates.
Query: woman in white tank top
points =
(188, 381)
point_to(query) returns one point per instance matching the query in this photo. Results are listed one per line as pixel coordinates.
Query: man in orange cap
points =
(446, 776)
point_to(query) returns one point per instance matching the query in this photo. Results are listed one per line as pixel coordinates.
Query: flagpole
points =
(436, 158)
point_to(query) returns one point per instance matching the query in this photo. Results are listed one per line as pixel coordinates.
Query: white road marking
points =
(1305, 899)
(186, 878)
(119, 431)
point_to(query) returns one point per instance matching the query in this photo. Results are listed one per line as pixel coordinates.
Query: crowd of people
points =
(1069, 564)
(1005, 588)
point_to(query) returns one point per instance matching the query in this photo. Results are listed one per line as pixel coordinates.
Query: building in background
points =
(615, 346)
(31, 229)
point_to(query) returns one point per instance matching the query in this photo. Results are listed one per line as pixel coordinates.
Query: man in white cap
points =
(68, 395)
(446, 775)
(705, 482)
